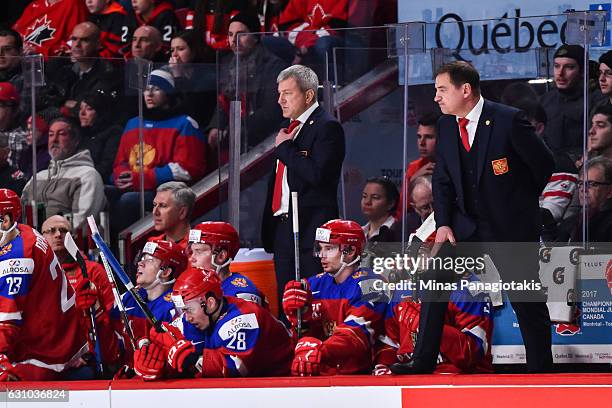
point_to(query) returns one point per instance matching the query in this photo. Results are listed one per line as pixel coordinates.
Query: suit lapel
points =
(310, 122)
(454, 163)
(483, 134)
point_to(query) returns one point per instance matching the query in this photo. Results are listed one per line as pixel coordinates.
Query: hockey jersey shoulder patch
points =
(242, 322)
(16, 266)
(239, 282)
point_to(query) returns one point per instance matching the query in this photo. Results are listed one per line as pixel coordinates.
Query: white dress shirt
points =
(473, 116)
(284, 206)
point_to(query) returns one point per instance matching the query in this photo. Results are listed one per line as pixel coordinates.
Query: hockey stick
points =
(296, 250)
(73, 250)
(118, 301)
(116, 266)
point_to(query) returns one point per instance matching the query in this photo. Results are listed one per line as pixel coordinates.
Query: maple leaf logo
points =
(318, 18)
(40, 31)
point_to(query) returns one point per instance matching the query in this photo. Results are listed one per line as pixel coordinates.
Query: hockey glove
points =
(87, 295)
(297, 296)
(307, 359)
(177, 354)
(7, 369)
(381, 369)
(408, 317)
(166, 339)
(148, 360)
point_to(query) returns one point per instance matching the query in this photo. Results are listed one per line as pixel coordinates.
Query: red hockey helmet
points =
(10, 204)
(169, 253)
(196, 282)
(342, 233)
(216, 234)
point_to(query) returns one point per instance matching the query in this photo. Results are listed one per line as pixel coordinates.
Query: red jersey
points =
(115, 30)
(347, 317)
(39, 325)
(246, 341)
(47, 27)
(465, 346)
(318, 16)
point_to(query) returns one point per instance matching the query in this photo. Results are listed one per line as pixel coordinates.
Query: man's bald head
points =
(85, 41)
(54, 230)
(146, 42)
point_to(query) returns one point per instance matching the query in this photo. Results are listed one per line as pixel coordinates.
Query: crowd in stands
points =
(86, 139)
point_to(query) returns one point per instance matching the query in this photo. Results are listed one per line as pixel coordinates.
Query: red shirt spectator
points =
(46, 25)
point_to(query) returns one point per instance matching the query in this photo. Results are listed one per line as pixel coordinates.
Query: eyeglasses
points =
(592, 183)
(53, 230)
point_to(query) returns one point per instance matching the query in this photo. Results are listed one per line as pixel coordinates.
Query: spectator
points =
(45, 25)
(563, 104)
(558, 199)
(597, 199)
(210, 20)
(310, 154)
(424, 165)
(71, 184)
(89, 72)
(600, 133)
(172, 208)
(378, 201)
(112, 19)
(10, 176)
(605, 80)
(258, 72)
(9, 121)
(159, 14)
(41, 142)
(175, 148)
(10, 59)
(101, 134)
(147, 44)
(193, 69)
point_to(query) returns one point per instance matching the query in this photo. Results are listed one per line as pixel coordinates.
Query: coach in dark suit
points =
(309, 161)
(490, 171)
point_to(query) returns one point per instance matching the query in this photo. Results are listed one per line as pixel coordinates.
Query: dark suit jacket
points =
(314, 162)
(508, 201)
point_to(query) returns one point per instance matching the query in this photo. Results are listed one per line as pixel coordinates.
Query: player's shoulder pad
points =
(237, 323)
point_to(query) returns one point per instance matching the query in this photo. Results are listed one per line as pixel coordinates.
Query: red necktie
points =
(280, 171)
(465, 139)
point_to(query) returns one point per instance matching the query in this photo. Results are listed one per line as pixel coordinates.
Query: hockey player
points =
(213, 245)
(466, 337)
(40, 333)
(216, 336)
(341, 309)
(159, 263)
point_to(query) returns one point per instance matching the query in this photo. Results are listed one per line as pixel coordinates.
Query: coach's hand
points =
(443, 234)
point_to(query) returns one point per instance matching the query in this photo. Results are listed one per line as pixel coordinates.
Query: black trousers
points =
(514, 262)
(284, 258)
